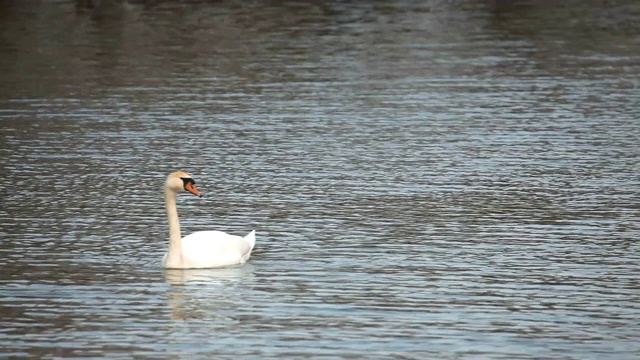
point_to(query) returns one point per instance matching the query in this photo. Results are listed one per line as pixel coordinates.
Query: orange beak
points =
(192, 189)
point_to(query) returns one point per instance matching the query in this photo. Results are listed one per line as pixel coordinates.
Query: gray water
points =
(440, 179)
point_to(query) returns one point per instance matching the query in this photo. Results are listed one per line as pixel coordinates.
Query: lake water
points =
(440, 179)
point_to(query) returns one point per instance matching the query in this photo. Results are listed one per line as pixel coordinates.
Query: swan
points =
(202, 249)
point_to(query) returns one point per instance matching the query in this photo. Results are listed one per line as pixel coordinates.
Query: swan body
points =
(202, 249)
(209, 249)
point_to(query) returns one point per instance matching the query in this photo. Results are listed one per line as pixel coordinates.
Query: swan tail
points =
(251, 238)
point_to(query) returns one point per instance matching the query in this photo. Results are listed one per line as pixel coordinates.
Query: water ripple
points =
(442, 181)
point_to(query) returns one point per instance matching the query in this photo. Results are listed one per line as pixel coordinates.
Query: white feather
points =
(209, 249)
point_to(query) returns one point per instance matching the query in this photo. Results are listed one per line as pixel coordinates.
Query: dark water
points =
(440, 179)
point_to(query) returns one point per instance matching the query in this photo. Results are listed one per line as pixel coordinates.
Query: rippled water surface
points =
(440, 179)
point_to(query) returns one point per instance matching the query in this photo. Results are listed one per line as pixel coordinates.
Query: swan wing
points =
(207, 249)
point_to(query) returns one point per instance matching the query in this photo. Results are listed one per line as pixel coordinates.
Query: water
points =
(453, 180)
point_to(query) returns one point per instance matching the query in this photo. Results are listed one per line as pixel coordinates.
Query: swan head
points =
(181, 181)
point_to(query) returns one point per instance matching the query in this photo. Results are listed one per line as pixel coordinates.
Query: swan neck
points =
(174, 253)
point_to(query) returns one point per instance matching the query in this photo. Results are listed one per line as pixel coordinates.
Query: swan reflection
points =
(207, 293)
(218, 276)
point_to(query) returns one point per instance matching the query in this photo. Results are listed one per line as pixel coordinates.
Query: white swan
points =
(202, 249)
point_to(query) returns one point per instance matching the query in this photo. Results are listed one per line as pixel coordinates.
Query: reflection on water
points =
(427, 180)
(204, 294)
(219, 276)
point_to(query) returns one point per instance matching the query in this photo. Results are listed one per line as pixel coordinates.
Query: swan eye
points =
(187, 180)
